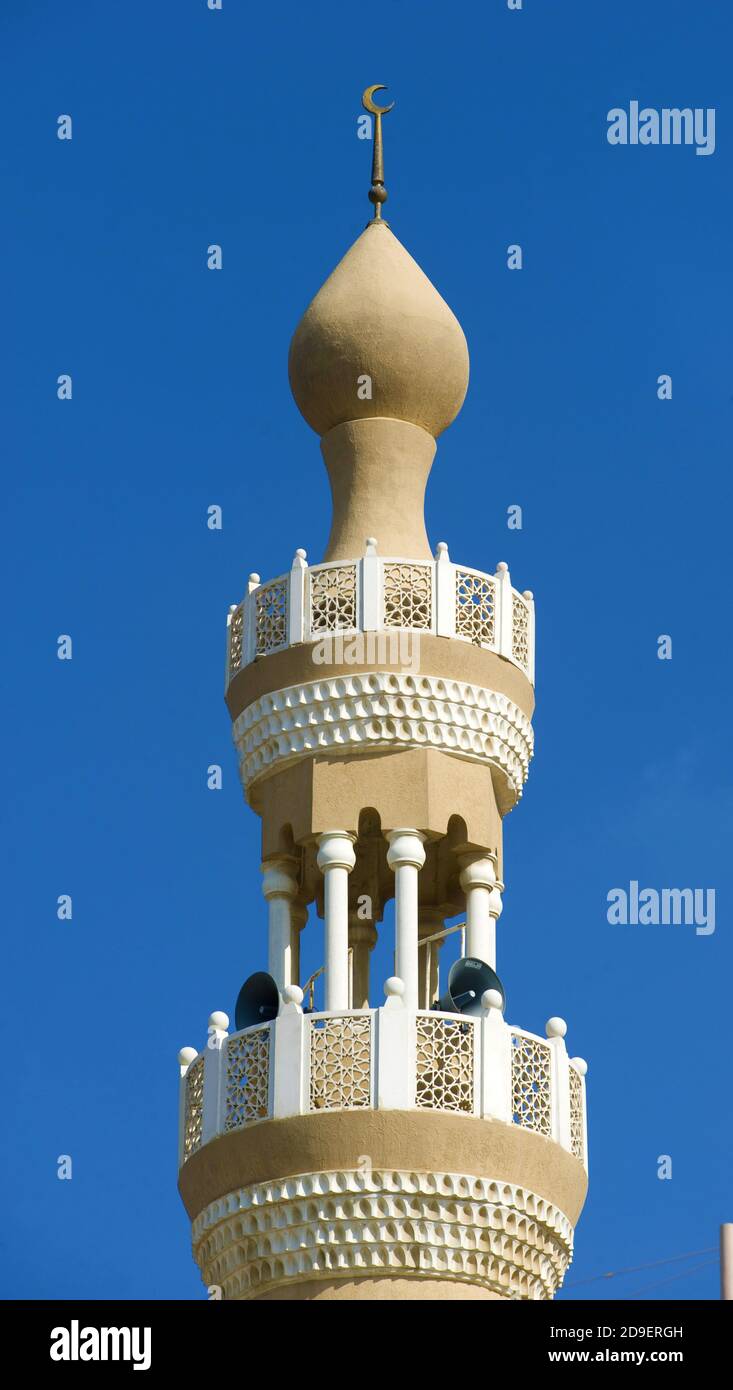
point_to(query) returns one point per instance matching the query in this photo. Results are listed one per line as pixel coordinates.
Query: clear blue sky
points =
(192, 127)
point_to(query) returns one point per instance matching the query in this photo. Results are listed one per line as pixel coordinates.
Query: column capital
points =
(476, 872)
(406, 847)
(279, 878)
(496, 904)
(336, 850)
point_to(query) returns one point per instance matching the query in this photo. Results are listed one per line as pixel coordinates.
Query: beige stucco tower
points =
(376, 1147)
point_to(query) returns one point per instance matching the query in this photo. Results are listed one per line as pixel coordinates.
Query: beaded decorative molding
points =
(348, 1224)
(365, 712)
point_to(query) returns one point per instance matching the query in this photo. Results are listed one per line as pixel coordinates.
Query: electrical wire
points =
(682, 1275)
(635, 1269)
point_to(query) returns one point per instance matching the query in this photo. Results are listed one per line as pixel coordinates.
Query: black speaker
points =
(258, 1001)
(467, 980)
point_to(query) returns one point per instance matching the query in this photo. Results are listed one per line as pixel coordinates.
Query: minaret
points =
(377, 1147)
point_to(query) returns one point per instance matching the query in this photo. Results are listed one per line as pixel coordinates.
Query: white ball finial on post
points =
(556, 1027)
(293, 996)
(218, 1026)
(491, 999)
(186, 1056)
(394, 989)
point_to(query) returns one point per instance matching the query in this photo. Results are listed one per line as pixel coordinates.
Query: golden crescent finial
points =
(377, 192)
(370, 105)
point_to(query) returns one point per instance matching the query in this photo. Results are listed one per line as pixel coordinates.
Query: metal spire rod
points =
(377, 192)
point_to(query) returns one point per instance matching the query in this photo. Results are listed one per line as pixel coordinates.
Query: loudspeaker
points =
(467, 980)
(258, 1001)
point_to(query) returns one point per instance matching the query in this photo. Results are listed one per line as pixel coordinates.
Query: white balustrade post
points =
(186, 1056)
(249, 634)
(336, 859)
(405, 856)
(504, 609)
(280, 886)
(214, 1064)
(445, 592)
(496, 1060)
(478, 880)
(556, 1028)
(371, 606)
(288, 1056)
(528, 597)
(395, 1049)
(296, 599)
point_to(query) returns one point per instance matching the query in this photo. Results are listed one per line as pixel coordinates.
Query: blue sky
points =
(192, 127)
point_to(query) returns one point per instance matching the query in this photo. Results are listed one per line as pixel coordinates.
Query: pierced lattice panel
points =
(271, 609)
(408, 595)
(475, 606)
(194, 1122)
(531, 1084)
(576, 1114)
(520, 631)
(340, 1063)
(247, 1078)
(236, 633)
(444, 1065)
(333, 598)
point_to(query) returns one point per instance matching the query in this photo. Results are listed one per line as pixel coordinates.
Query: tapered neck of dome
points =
(378, 469)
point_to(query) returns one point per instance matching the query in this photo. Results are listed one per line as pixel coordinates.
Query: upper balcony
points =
(382, 595)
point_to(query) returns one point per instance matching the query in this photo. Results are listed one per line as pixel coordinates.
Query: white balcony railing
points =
(384, 595)
(382, 1059)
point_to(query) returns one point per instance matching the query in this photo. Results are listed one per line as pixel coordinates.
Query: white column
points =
(430, 921)
(362, 940)
(478, 881)
(726, 1261)
(406, 855)
(280, 885)
(336, 859)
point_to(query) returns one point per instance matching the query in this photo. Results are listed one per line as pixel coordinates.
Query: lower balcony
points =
(390, 1058)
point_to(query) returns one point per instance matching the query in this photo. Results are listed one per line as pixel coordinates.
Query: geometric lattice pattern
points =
(475, 599)
(531, 1103)
(194, 1122)
(576, 1113)
(340, 1063)
(520, 631)
(333, 598)
(248, 1078)
(271, 606)
(444, 1065)
(236, 630)
(408, 591)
